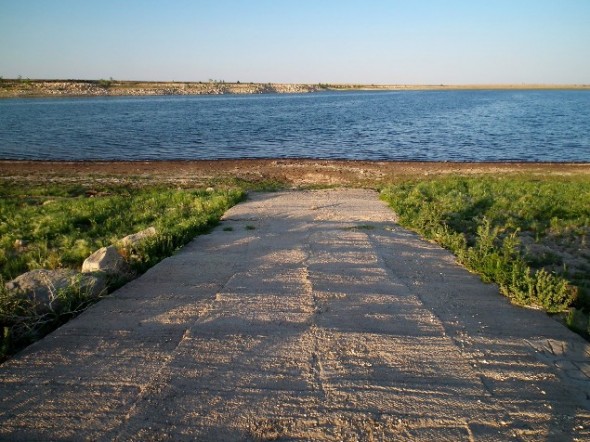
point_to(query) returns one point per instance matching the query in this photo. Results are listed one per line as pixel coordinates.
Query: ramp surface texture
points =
(315, 317)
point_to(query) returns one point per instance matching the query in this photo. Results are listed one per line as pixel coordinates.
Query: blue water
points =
(416, 125)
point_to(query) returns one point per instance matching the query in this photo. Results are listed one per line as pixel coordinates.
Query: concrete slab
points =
(304, 316)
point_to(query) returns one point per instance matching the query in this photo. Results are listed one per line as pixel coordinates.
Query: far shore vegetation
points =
(527, 233)
(26, 87)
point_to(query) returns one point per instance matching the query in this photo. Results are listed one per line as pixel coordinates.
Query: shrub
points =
(480, 219)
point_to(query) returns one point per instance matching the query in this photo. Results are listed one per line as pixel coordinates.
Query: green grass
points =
(528, 235)
(58, 226)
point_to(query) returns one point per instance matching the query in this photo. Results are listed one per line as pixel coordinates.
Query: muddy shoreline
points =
(297, 172)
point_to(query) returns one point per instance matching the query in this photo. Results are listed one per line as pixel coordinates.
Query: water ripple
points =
(432, 126)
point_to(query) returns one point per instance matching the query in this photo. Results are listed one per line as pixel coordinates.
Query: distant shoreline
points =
(18, 88)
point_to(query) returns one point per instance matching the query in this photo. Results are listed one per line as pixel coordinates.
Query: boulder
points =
(93, 285)
(43, 286)
(131, 240)
(107, 260)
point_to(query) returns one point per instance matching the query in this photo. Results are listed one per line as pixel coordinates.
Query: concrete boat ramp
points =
(303, 316)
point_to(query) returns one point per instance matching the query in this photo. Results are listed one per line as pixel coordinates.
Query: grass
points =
(59, 226)
(22, 322)
(528, 235)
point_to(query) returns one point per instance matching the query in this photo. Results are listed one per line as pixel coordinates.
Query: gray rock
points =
(92, 284)
(131, 240)
(42, 287)
(107, 260)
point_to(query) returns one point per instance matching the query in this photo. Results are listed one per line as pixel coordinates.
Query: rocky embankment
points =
(41, 88)
(10, 88)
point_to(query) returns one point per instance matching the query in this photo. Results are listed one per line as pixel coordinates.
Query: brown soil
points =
(297, 172)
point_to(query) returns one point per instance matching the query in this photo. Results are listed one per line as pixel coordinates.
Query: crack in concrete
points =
(306, 328)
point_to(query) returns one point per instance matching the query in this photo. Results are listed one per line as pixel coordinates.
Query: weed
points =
(105, 84)
(250, 227)
(228, 229)
(483, 219)
(66, 231)
(22, 321)
(578, 321)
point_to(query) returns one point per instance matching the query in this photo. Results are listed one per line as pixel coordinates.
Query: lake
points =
(548, 126)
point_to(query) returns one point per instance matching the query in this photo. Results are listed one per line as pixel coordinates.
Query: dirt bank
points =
(294, 172)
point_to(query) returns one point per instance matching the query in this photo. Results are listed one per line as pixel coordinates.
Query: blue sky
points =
(303, 41)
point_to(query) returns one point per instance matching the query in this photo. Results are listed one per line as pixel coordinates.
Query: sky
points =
(301, 41)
